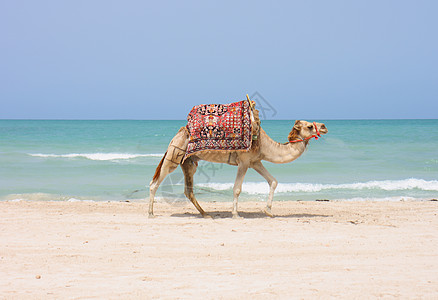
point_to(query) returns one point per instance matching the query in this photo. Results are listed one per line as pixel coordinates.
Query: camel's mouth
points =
(323, 129)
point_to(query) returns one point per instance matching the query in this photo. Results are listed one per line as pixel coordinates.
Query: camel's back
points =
(221, 129)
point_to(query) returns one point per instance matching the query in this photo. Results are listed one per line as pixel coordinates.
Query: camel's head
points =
(304, 130)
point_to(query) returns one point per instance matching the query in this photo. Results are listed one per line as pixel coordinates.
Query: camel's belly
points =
(219, 157)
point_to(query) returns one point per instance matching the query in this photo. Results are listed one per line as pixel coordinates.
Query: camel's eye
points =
(310, 126)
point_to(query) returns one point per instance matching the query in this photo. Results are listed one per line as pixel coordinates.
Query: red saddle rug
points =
(219, 127)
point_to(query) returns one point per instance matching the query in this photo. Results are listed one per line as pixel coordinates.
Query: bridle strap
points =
(316, 136)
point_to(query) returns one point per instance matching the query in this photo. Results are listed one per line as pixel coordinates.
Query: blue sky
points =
(157, 59)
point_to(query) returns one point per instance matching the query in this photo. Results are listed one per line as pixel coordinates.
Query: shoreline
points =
(60, 249)
(42, 197)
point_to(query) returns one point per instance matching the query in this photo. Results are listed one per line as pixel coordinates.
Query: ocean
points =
(358, 160)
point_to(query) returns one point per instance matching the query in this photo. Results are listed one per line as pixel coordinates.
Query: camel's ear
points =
(297, 125)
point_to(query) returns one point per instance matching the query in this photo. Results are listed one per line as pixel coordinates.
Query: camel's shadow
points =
(247, 215)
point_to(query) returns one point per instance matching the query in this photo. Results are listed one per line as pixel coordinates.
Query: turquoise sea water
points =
(115, 160)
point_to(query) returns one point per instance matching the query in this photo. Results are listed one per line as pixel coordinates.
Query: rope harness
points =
(316, 136)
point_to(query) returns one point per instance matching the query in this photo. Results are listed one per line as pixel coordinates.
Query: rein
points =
(316, 136)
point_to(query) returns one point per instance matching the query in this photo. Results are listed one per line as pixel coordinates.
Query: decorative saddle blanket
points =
(219, 127)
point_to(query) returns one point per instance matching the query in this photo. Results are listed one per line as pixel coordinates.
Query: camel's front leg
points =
(241, 171)
(260, 168)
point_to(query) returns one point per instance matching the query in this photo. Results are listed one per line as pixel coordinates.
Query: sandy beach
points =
(110, 250)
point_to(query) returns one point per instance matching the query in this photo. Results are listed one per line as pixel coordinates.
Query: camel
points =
(266, 149)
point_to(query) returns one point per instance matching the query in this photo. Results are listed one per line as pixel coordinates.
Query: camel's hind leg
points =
(172, 158)
(167, 167)
(189, 169)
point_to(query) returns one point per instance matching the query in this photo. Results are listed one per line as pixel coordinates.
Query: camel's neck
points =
(279, 153)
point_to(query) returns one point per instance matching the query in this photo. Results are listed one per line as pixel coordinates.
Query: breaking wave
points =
(97, 156)
(386, 185)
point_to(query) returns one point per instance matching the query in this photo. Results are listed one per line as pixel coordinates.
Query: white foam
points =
(34, 197)
(44, 197)
(221, 186)
(385, 199)
(97, 156)
(73, 200)
(386, 185)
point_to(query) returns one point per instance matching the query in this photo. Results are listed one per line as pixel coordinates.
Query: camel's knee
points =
(237, 191)
(274, 184)
(152, 189)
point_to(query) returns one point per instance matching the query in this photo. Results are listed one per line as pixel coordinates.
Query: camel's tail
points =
(158, 170)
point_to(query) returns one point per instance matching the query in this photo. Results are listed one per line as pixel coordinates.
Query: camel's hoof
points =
(237, 217)
(207, 216)
(151, 216)
(268, 212)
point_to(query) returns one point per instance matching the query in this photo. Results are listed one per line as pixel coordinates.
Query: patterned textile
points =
(219, 127)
